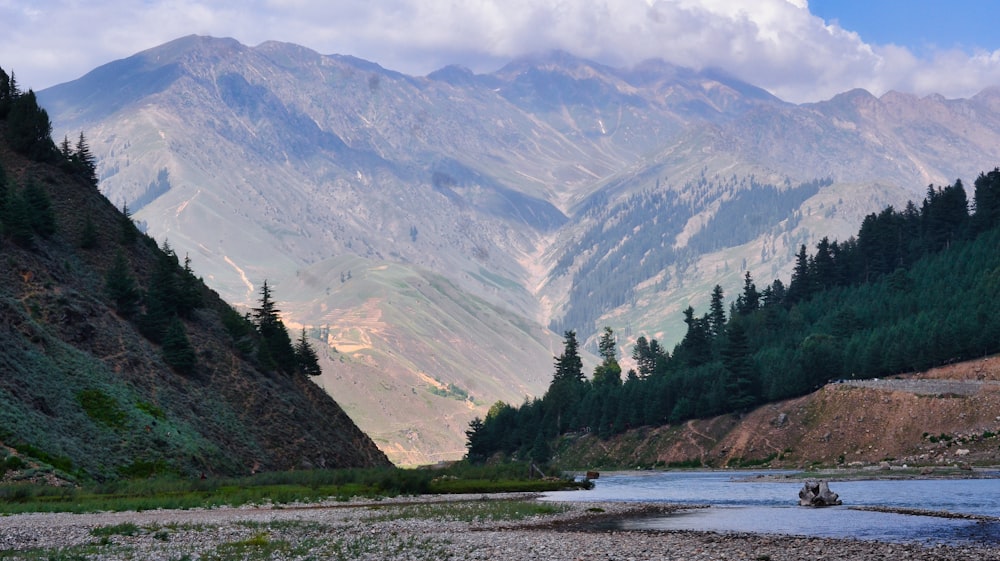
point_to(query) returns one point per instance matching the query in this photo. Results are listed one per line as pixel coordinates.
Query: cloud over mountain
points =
(777, 44)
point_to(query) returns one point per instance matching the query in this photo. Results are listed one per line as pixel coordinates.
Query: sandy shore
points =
(400, 529)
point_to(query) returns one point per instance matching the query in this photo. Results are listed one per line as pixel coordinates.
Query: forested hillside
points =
(115, 360)
(913, 289)
(635, 240)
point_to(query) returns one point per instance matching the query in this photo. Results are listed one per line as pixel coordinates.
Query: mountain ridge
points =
(317, 157)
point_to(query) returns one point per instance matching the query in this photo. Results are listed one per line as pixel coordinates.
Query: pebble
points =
(367, 530)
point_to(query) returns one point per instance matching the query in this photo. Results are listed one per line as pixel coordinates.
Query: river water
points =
(749, 502)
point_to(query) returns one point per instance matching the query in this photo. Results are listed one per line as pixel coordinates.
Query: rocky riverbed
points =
(425, 528)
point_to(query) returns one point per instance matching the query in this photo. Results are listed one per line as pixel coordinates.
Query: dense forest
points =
(613, 257)
(913, 289)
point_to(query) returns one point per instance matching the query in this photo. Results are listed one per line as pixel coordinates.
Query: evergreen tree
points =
(8, 91)
(84, 162)
(716, 312)
(17, 220)
(189, 297)
(986, 199)
(609, 372)
(567, 386)
(29, 130)
(88, 236)
(120, 286)
(476, 444)
(177, 349)
(305, 357)
(749, 301)
(129, 233)
(644, 359)
(43, 218)
(800, 287)
(741, 383)
(276, 350)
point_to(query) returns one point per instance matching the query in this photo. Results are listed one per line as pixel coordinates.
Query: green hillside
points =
(912, 290)
(114, 360)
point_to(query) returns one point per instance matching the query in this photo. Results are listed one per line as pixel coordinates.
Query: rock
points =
(884, 466)
(781, 420)
(818, 494)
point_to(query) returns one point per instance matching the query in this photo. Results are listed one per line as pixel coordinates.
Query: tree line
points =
(911, 290)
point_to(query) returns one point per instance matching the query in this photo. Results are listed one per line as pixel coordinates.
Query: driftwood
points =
(817, 494)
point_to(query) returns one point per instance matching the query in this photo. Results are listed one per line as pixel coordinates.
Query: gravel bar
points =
(394, 529)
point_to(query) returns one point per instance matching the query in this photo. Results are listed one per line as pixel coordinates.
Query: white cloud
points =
(776, 44)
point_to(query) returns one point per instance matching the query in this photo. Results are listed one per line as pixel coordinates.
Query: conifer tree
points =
(29, 129)
(177, 349)
(120, 286)
(305, 357)
(84, 161)
(43, 218)
(129, 233)
(609, 372)
(276, 350)
(88, 236)
(189, 297)
(17, 220)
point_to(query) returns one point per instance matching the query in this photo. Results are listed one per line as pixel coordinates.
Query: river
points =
(758, 502)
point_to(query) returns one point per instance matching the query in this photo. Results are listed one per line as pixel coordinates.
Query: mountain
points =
(86, 393)
(440, 232)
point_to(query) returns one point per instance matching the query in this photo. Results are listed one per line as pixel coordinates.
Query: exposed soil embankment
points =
(945, 416)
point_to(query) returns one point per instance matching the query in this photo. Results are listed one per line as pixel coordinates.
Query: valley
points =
(436, 234)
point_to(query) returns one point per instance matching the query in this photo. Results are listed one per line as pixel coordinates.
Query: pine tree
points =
(17, 220)
(43, 218)
(276, 350)
(749, 301)
(120, 286)
(84, 161)
(717, 312)
(609, 372)
(129, 233)
(177, 349)
(29, 129)
(88, 236)
(305, 357)
(189, 297)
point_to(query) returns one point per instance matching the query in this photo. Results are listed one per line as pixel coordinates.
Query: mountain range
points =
(437, 234)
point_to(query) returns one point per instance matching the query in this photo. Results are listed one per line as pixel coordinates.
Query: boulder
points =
(815, 493)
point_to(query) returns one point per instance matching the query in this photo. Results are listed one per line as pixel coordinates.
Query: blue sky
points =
(801, 51)
(920, 25)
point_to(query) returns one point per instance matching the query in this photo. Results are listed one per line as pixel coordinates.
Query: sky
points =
(799, 50)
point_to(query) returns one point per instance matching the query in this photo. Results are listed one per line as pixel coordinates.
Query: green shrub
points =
(102, 408)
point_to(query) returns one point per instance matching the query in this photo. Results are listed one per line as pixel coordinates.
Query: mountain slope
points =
(942, 417)
(536, 191)
(82, 390)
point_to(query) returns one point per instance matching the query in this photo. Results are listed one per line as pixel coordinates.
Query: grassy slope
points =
(81, 390)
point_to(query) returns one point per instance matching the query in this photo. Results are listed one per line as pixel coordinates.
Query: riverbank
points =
(431, 528)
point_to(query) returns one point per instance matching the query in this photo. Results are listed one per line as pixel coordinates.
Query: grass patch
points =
(172, 492)
(124, 529)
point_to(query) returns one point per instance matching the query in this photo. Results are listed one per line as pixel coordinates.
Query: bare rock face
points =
(818, 494)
